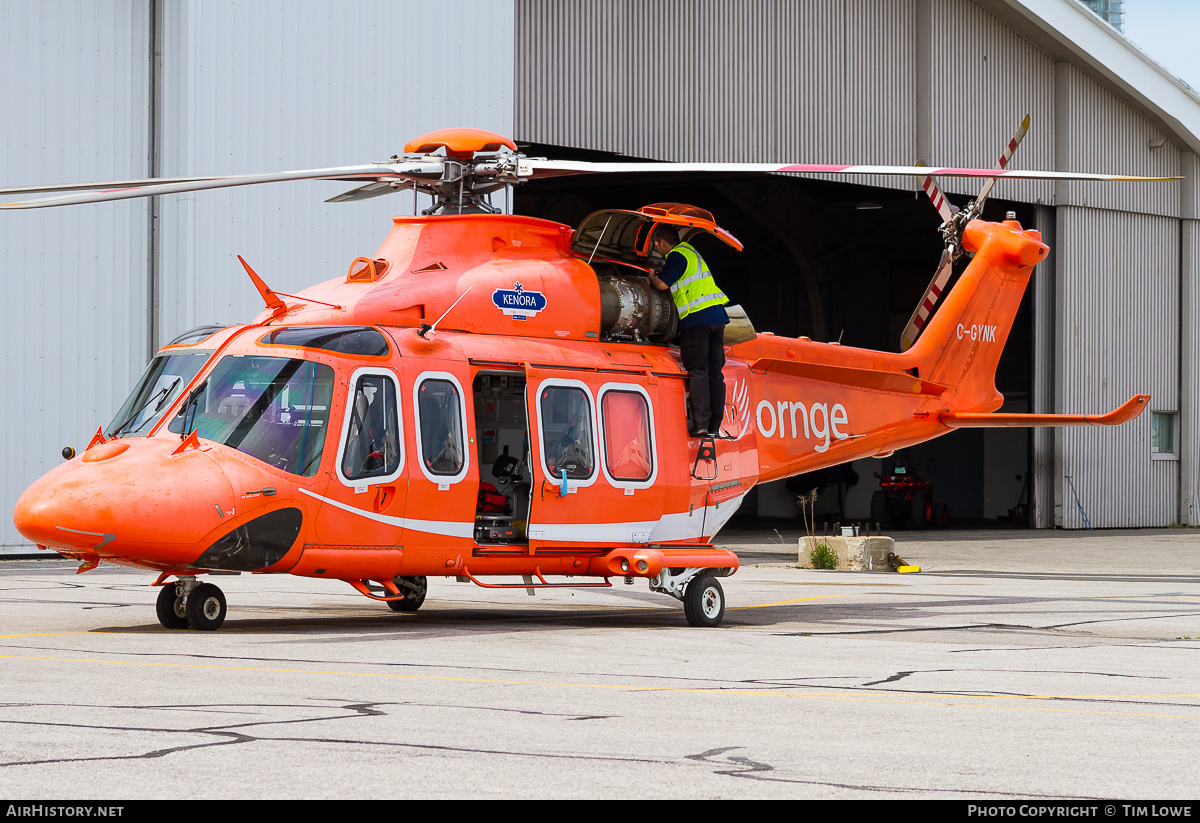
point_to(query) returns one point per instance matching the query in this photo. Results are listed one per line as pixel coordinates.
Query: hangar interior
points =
(833, 261)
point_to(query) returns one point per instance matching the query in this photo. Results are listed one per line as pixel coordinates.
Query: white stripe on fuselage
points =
(676, 526)
(448, 528)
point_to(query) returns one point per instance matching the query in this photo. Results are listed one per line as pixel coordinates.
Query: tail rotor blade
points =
(944, 207)
(1004, 158)
(928, 301)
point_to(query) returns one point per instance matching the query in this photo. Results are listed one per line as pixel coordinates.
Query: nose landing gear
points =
(188, 604)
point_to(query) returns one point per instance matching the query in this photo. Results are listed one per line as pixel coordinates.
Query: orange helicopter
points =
(495, 395)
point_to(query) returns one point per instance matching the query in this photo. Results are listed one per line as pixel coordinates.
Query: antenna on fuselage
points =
(425, 327)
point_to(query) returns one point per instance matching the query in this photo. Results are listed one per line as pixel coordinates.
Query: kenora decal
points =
(519, 303)
(781, 418)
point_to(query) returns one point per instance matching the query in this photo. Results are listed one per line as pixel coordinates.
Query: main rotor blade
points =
(114, 184)
(1004, 158)
(539, 168)
(376, 188)
(373, 171)
(936, 286)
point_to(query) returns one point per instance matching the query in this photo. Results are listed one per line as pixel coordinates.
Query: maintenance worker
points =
(702, 321)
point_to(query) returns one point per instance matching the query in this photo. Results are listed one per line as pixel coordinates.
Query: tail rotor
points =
(954, 221)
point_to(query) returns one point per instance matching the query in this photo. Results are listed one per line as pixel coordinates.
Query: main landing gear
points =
(414, 589)
(702, 596)
(187, 604)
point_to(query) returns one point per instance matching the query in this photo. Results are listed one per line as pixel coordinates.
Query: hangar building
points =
(122, 89)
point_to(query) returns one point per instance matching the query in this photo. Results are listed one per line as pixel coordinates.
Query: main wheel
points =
(170, 608)
(881, 509)
(704, 602)
(920, 513)
(206, 607)
(413, 598)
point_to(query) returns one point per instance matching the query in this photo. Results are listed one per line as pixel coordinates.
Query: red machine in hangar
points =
(494, 395)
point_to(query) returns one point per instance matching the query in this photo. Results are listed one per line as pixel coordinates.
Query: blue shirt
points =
(711, 316)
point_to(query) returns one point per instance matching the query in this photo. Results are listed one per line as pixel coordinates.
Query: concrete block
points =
(857, 554)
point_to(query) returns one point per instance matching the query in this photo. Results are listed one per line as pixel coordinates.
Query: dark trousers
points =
(702, 349)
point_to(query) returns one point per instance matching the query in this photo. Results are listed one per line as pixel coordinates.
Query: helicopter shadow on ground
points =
(434, 623)
(804, 617)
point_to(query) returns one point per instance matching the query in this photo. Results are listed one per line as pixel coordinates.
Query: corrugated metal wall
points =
(243, 87)
(1101, 133)
(984, 79)
(1117, 277)
(282, 84)
(74, 77)
(822, 81)
(1189, 389)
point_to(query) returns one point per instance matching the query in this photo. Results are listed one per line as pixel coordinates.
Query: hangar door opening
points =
(844, 263)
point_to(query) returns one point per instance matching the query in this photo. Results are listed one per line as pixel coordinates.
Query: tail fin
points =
(961, 344)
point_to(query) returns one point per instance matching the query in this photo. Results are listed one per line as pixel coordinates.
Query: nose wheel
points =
(206, 607)
(170, 608)
(187, 604)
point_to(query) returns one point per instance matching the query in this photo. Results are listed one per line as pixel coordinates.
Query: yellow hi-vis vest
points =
(696, 289)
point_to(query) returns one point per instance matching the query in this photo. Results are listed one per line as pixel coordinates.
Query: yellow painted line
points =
(859, 698)
(806, 600)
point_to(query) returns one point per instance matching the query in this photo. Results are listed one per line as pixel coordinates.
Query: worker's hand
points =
(657, 283)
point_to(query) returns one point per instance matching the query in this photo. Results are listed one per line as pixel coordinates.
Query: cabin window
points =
(275, 409)
(439, 407)
(372, 439)
(628, 447)
(566, 419)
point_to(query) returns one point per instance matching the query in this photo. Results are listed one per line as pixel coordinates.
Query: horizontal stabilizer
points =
(1122, 414)
(891, 381)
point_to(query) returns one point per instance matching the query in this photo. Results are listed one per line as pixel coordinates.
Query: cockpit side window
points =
(372, 443)
(163, 380)
(439, 408)
(275, 409)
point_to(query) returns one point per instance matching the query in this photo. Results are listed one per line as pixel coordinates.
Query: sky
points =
(1167, 30)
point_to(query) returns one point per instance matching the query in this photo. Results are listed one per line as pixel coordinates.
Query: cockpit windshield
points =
(164, 378)
(275, 409)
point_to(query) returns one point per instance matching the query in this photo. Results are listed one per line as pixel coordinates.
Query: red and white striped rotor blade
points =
(944, 207)
(1004, 158)
(925, 308)
(540, 168)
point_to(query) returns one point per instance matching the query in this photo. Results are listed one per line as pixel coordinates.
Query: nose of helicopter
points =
(127, 498)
